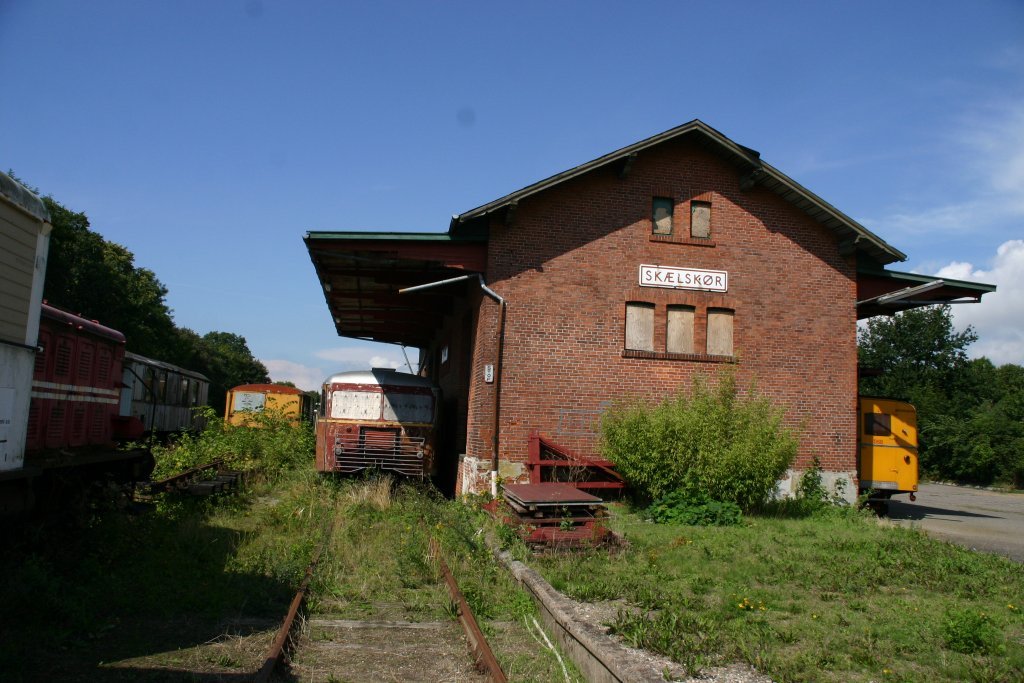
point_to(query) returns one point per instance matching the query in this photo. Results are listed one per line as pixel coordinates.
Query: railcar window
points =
(878, 424)
(355, 405)
(405, 407)
(184, 391)
(248, 400)
(161, 386)
(150, 383)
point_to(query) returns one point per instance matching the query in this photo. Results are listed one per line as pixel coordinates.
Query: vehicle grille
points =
(381, 449)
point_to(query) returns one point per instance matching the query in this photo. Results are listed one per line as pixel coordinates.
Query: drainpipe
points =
(501, 353)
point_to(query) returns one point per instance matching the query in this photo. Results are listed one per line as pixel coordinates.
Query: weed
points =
(694, 510)
(971, 632)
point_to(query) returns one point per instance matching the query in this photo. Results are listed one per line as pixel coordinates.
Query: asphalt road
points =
(982, 520)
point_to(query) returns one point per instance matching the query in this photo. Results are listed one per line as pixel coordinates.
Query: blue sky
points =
(209, 136)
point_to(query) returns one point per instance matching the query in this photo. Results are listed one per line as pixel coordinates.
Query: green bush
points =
(677, 508)
(714, 443)
(272, 444)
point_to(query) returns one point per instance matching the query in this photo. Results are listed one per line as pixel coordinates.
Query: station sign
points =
(684, 278)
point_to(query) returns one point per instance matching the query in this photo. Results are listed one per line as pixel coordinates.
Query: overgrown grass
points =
(834, 596)
(151, 588)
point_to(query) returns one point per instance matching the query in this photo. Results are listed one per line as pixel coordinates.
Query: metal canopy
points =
(884, 292)
(361, 275)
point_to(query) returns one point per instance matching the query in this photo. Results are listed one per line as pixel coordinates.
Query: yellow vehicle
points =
(244, 400)
(887, 462)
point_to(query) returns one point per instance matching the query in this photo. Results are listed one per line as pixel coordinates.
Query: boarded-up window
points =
(720, 322)
(356, 405)
(700, 219)
(680, 329)
(640, 326)
(662, 216)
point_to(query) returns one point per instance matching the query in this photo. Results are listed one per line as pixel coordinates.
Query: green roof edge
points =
(923, 279)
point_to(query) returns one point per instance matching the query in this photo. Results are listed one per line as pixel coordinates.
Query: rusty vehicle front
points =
(377, 419)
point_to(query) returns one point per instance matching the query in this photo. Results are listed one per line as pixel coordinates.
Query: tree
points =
(98, 279)
(970, 413)
(226, 360)
(918, 348)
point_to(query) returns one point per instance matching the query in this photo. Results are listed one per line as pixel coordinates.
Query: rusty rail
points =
(484, 656)
(174, 480)
(283, 637)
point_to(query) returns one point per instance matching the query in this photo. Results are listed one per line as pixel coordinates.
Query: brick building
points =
(627, 276)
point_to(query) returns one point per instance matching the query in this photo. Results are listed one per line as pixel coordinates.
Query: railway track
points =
(201, 480)
(388, 646)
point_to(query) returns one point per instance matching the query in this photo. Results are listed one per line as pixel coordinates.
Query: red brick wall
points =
(569, 262)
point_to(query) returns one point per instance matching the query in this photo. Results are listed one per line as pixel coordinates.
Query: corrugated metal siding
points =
(18, 235)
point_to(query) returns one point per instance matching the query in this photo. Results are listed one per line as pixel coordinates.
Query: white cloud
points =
(382, 362)
(986, 148)
(304, 377)
(999, 318)
(339, 359)
(364, 357)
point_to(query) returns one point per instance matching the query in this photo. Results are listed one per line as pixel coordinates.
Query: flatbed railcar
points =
(377, 419)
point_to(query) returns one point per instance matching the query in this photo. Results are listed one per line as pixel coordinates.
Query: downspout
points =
(501, 353)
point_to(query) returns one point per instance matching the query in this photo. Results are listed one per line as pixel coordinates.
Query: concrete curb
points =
(599, 657)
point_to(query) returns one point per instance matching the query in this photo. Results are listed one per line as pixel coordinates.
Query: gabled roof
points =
(362, 273)
(753, 172)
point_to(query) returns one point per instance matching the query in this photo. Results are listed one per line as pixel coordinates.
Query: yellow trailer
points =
(887, 462)
(245, 400)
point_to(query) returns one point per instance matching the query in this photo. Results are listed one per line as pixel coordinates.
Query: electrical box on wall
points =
(488, 373)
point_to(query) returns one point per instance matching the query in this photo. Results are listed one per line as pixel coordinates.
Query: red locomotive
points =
(76, 385)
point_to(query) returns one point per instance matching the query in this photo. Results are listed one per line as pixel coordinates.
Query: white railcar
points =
(160, 395)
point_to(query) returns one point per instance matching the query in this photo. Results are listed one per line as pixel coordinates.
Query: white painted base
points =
(16, 367)
(787, 486)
